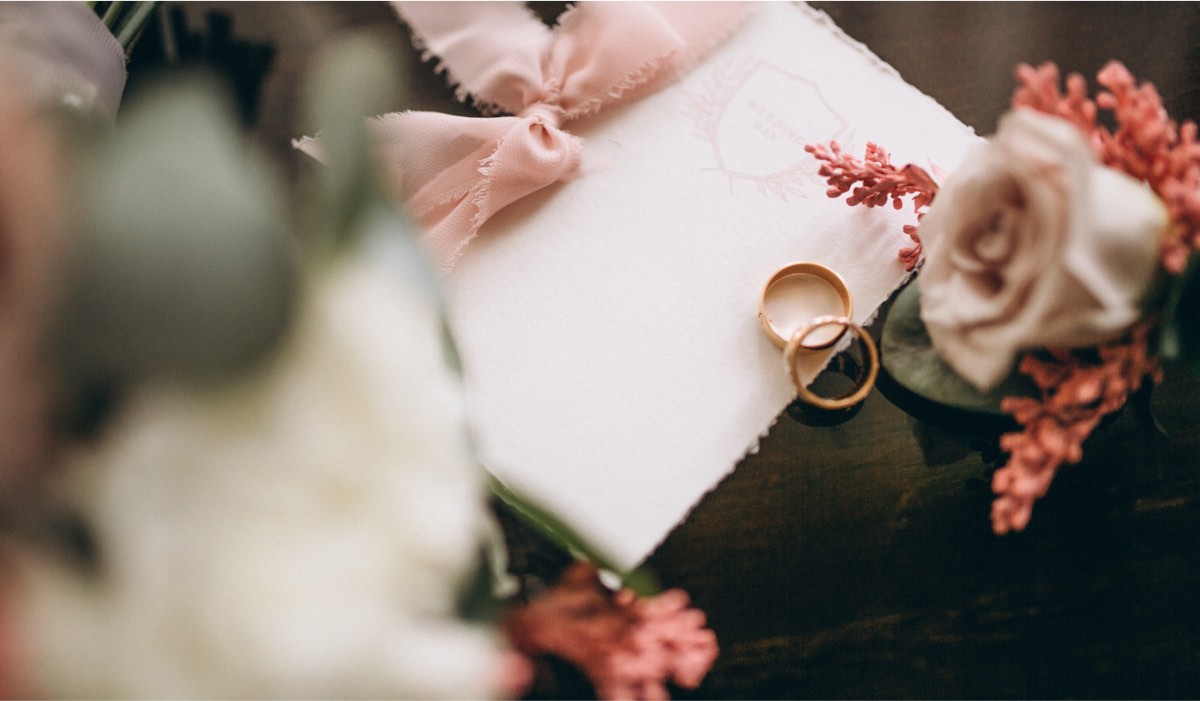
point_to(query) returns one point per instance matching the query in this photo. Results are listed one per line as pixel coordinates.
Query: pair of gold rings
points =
(794, 311)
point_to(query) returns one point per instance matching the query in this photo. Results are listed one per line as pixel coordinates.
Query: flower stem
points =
(113, 13)
(131, 29)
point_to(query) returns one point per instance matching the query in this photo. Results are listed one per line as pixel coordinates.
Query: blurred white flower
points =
(301, 533)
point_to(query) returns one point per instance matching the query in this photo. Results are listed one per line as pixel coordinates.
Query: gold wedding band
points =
(866, 375)
(815, 270)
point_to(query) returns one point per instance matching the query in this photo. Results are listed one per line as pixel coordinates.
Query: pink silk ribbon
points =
(454, 173)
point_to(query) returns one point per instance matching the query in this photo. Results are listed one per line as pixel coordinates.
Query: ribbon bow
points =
(455, 173)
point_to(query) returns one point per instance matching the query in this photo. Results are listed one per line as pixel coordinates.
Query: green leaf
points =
(640, 580)
(345, 206)
(185, 264)
(353, 81)
(908, 356)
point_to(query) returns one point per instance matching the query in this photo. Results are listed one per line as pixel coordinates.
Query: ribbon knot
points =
(546, 112)
(455, 173)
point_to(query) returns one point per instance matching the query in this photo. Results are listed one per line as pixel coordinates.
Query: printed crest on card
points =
(757, 117)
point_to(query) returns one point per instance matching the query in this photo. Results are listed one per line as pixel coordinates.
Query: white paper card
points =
(615, 368)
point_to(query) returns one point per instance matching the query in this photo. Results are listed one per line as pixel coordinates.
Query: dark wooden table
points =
(858, 560)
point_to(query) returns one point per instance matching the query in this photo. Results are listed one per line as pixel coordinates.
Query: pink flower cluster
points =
(629, 647)
(1075, 397)
(1077, 394)
(668, 640)
(873, 182)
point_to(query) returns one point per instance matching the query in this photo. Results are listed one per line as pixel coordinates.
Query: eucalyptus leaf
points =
(353, 81)
(183, 264)
(908, 356)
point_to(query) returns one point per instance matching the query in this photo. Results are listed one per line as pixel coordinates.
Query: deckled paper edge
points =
(822, 18)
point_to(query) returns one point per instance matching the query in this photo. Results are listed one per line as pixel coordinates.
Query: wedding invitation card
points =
(615, 367)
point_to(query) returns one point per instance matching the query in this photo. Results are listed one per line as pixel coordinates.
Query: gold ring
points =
(866, 375)
(801, 274)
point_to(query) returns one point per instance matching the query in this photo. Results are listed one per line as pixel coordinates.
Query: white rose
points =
(1034, 243)
(302, 533)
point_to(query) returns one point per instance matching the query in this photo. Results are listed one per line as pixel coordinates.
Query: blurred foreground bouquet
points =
(235, 454)
(277, 497)
(1059, 241)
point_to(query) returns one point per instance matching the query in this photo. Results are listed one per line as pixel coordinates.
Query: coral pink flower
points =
(1075, 397)
(629, 647)
(874, 182)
